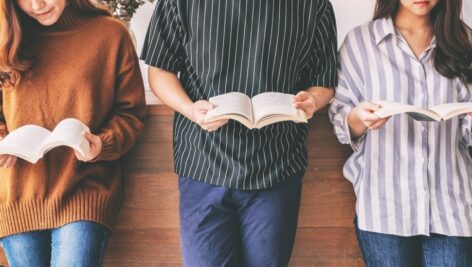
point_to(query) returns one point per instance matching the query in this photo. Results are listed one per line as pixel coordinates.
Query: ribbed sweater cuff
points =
(108, 147)
(35, 215)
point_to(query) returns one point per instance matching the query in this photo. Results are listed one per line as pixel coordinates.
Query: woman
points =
(411, 178)
(61, 59)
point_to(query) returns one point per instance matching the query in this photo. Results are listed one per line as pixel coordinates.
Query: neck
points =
(69, 19)
(409, 22)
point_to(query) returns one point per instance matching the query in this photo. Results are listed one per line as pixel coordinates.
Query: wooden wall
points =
(148, 229)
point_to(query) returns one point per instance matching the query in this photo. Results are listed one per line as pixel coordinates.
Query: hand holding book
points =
(363, 117)
(197, 113)
(7, 161)
(307, 102)
(95, 147)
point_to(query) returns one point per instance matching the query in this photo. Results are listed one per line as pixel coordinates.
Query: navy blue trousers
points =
(225, 227)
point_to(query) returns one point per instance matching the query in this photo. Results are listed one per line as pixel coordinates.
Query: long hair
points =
(453, 52)
(16, 32)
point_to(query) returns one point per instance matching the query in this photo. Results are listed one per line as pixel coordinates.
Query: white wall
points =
(349, 13)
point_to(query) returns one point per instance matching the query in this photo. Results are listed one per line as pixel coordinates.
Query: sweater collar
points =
(70, 19)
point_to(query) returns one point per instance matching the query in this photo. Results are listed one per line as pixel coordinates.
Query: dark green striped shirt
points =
(220, 46)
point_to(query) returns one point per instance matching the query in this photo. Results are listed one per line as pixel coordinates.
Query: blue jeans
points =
(80, 243)
(385, 250)
(225, 227)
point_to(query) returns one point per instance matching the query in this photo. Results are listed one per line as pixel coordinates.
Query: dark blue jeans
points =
(80, 243)
(385, 250)
(224, 227)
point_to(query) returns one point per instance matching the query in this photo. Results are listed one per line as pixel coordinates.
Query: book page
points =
(232, 105)
(273, 103)
(447, 111)
(68, 132)
(390, 108)
(24, 142)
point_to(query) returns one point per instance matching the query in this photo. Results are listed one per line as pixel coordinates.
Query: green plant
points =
(124, 9)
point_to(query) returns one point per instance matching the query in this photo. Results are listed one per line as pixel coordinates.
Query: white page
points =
(231, 103)
(272, 103)
(68, 133)
(389, 108)
(450, 110)
(24, 142)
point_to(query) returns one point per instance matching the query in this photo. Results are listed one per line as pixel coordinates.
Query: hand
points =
(307, 102)
(364, 112)
(7, 161)
(95, 147)
(197, 112)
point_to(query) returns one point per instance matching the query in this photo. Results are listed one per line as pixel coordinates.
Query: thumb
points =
(90, 137)
(207, 105)
(371, 106)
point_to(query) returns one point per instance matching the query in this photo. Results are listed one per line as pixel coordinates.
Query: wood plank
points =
(322, 247)
(147, 232)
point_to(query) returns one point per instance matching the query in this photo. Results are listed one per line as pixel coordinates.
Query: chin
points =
(48, 22)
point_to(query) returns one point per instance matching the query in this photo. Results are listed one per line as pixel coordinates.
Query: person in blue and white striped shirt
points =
(413, 180)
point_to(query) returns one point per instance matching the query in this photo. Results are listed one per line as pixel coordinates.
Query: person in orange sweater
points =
(60, 59)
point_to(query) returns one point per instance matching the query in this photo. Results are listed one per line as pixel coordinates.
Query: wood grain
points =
(147, 233)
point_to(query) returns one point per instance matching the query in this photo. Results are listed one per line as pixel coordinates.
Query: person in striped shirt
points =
(412, 179)
(239, 188)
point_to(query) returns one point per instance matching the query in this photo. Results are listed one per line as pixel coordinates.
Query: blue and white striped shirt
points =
(410, 177)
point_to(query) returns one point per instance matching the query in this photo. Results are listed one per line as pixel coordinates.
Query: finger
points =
(9, 161)
(15, 159)
(79, 156)
(368, 116)
(370, 106)
(378, 124)
(215, 127)
(3, 160)
(301, 96)
(204, 105)
(93, 139)
(307, 105)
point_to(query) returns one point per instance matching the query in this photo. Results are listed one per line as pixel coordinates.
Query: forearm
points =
(167, 87)
(322, 96)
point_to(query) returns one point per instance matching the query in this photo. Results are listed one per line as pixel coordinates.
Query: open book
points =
(436, 113)
(31, 142)
(263, 109)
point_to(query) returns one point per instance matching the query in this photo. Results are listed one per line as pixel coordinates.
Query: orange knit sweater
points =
(86, 68)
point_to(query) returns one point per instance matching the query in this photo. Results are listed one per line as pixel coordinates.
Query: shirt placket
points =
(425, 102)
(422, 204)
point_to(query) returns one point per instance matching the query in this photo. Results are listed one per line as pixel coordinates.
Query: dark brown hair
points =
(453, 52)
(14, 34)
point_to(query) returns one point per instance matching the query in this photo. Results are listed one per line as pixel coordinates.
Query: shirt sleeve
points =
(323, 54)
(126, 120)
(349, 93)
(163, 45)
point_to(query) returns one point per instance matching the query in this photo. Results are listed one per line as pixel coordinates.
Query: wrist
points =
(356, 125)
(315, 101)
(186, 110)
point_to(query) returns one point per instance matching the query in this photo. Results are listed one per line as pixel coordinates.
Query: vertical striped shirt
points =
(410, 177)
(221, 46)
